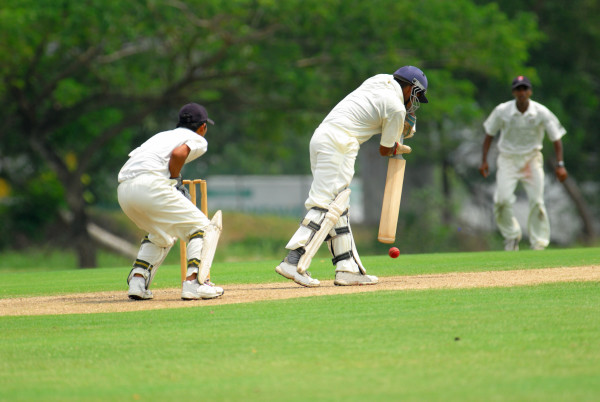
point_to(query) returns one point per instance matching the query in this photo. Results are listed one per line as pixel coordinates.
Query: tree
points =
(83, 82)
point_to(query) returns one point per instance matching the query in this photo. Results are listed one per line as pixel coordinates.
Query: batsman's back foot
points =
(354, 279)
(289, 271)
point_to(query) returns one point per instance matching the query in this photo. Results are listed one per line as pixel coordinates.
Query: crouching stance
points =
(378, 106)
(152, 195)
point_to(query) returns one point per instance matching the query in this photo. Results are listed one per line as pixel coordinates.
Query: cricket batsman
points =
(378, 106)
(152, 195)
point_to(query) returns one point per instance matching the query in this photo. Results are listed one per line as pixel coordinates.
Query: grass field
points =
(527, 343)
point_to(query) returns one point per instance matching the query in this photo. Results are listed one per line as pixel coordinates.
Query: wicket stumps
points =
(203, 207)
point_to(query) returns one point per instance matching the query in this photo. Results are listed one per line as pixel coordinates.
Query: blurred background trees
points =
(84, 82)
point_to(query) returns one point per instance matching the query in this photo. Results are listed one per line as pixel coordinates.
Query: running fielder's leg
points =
(149, 258)
(349, 269)
(538, 224)
(507, 178)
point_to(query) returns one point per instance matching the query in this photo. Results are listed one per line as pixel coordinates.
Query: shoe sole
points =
(286, 276)
(191, 296)
(138, 297)
(307, 285)
(344, 283)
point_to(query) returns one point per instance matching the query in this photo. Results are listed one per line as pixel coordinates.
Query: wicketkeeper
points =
(152, 195)
(378, 106)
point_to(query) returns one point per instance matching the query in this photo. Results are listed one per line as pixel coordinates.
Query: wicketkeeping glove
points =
(182, 188)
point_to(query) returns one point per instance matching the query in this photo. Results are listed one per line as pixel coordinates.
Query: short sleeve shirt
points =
(522, 133)
(377, 106)
(153, 156)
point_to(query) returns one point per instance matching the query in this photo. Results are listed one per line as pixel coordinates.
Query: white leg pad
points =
(194, 250)
(305, 233)
(336, 208)
(211, 238)
(342, 244)
(149, 258)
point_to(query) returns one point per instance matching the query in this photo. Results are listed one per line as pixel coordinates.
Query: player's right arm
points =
(484, 168)
(492, 124)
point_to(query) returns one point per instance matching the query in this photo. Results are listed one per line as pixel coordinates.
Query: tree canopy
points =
(83, 82)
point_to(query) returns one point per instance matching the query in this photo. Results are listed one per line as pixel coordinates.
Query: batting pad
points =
(336, 208)
(211, 238)
(343, 248)
(149, 258)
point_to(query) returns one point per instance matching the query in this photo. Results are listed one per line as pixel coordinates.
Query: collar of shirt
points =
(531, 109)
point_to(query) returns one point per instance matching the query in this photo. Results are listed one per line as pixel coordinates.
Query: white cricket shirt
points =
(153, 155)
(377, 106)
(522, 133)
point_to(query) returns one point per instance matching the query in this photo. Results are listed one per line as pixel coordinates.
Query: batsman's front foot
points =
(289, 271)
(354, 279)
(137, 289)
(192, 290)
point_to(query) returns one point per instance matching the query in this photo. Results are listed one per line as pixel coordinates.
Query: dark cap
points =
(521, 80)
(193, 113)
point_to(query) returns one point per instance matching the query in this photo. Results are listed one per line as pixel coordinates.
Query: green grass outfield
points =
(529, 343)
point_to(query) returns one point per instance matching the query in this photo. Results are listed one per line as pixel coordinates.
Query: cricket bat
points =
(391, 199)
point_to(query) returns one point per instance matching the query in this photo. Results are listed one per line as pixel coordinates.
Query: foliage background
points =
(84, 82)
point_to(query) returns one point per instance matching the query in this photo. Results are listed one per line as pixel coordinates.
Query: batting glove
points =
(182, 188)
(409, 126)
(402, 149)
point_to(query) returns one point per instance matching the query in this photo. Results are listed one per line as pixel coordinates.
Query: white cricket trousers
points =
(528, 170)
(332, 158)
(154, 204)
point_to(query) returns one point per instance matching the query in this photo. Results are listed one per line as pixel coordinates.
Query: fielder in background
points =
(378, 106)
(522, 123)
(152, 195)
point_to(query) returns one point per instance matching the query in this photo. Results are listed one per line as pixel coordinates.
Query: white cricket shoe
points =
(354, 279)
(137, 289)
(290, 271)
(192, 290)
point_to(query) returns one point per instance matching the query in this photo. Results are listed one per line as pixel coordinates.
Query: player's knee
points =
(538, 208)
(501, 205)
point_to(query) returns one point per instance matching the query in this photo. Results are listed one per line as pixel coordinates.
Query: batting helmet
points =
(416, 77)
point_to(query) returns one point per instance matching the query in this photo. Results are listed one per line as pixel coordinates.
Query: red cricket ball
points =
(394, 252)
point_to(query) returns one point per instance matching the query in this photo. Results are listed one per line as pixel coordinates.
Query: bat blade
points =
(391, 200)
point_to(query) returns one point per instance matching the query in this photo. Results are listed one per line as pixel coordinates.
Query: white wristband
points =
(560, 163)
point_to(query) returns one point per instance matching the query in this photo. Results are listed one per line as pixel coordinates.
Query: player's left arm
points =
(560, 170)
(399, 126)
